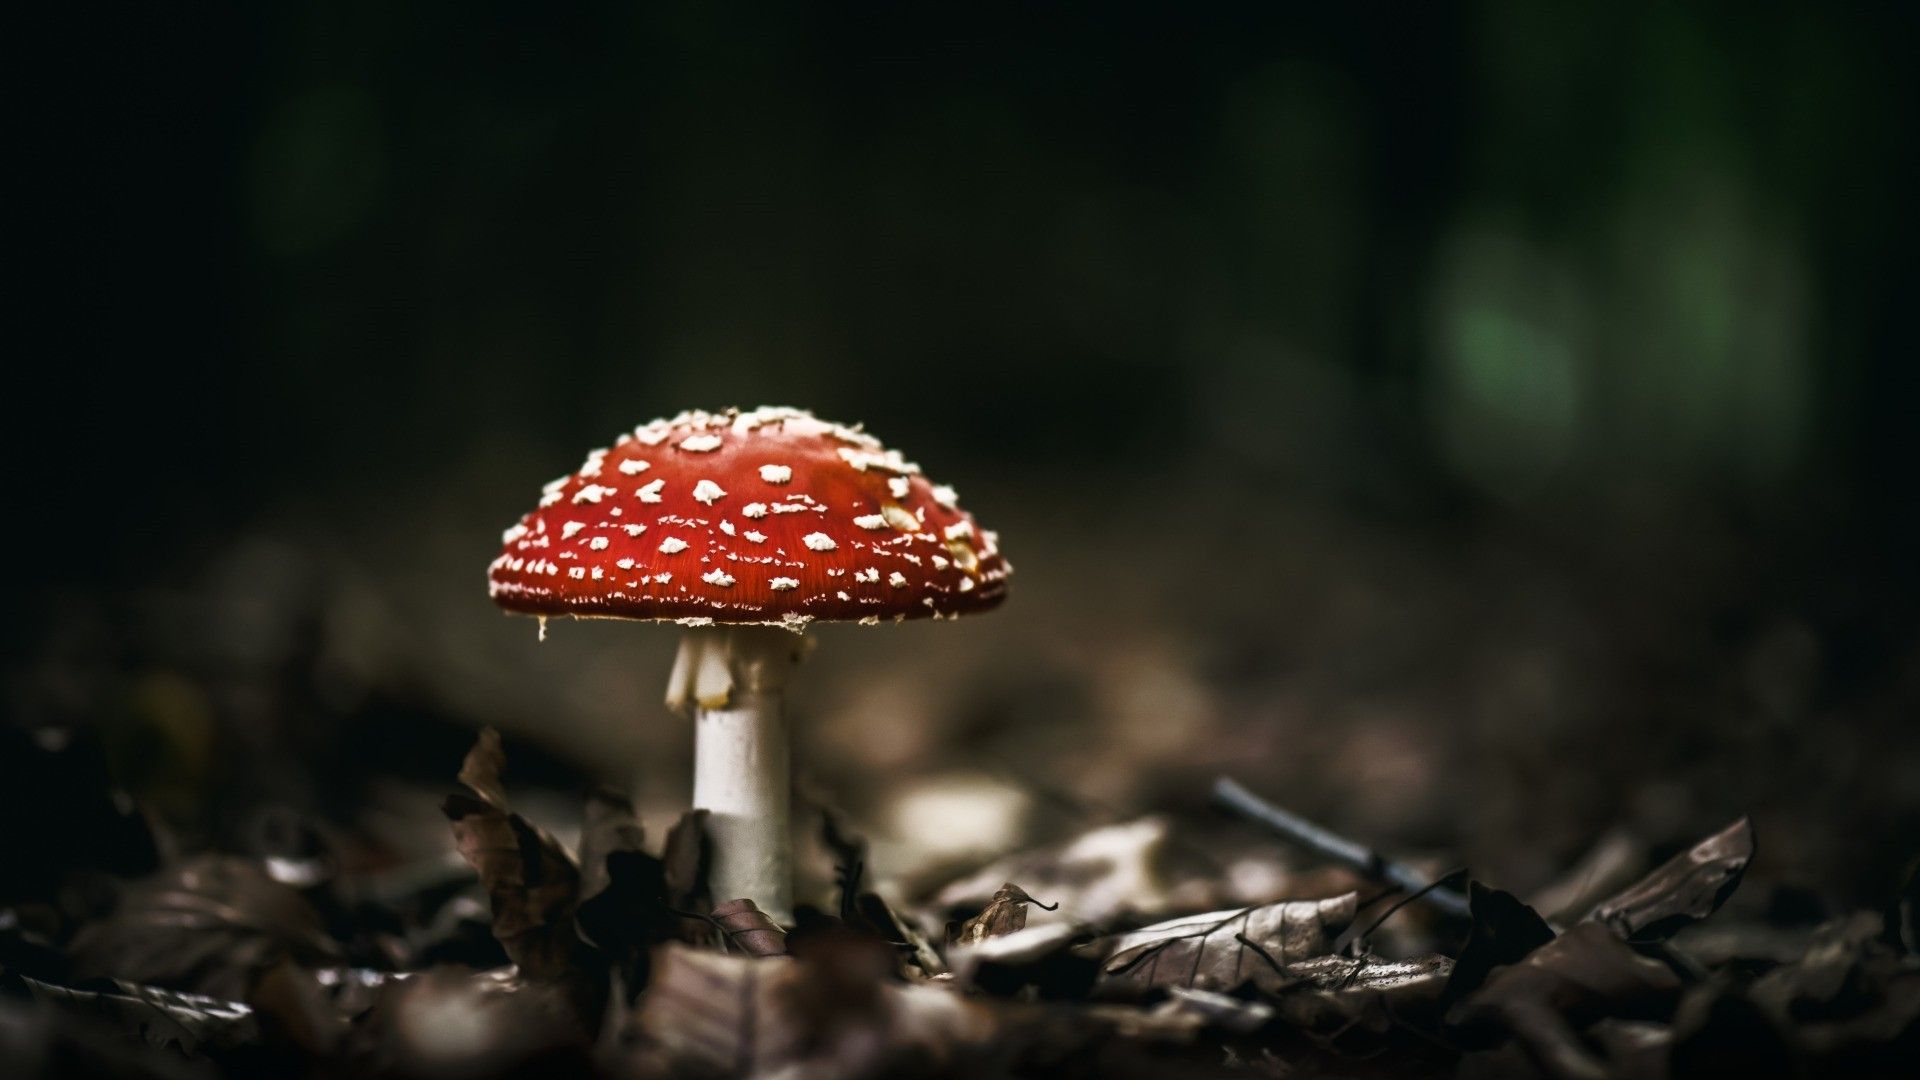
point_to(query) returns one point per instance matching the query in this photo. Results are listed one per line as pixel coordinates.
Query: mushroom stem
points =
(732, 679)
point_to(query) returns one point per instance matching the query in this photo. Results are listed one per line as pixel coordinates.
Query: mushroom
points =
(745, 528)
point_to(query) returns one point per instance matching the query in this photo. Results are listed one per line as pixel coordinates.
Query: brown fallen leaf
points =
(711, 1014)
(1006, 914)
(749, 929)
(532, 883)
(1688, 887)
(1546, 998)
(210, 925)
(622, 908)
(1223, 949)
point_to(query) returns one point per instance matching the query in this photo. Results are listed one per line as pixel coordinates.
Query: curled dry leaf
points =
(749, 929)
(1004, 915)
(210, 925)
(1101, 877)
(532, 883)
(1504, 931)
(1688, 887)
(1223, 949)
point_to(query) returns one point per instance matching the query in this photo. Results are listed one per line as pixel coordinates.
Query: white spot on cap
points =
(570, 528)
(717, 577)
(754, 510)
(959, 529)
(727, 527)
(592, 465)
(512, 534)
(842, 594)
(756, 537)
(700, 444)
(652, 436)
(708, 492)
(633, 466)
(782, 584)
(869, 574)
(592, 493)
(897, 579)
(899, 485)
(776, 474)
(624, 564)
(672, 545)
(663, 578)
(598, 543)
(871, 521)
(650, 493)
(576, 572)
(966, 584)
(945, 496)
(939, 563)
(634, 530)
(598, 573)
(818, 541)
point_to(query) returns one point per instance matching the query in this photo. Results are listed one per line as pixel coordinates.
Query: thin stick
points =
(1229, 795)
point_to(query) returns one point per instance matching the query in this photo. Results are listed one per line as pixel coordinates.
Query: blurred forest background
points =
(1480, 426)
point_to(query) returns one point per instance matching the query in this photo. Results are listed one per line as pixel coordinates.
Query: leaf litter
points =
(619, 963)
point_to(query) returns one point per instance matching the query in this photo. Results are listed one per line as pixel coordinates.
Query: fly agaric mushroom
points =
(744, 528)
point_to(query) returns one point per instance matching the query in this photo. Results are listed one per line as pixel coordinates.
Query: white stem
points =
(732, 679)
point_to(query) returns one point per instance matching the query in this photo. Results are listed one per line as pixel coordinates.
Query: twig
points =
(1229, 795)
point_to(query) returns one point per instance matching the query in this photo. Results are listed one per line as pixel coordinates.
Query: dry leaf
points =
(1223, 949)
(1687, 888)
(749, 929)
(532, 883)
(710, 1014)
(622, 907)
(189, 1023)
(211, 925)
(1006, 914)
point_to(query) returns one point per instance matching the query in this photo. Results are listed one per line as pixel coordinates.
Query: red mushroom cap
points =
(769, 516)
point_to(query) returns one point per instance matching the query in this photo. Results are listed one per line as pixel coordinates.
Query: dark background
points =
(1480, 426)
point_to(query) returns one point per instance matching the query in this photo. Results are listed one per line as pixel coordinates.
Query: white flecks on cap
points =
(591, 467)
(592, 493)
(939, 562)
(672, 545)
(889, 460)
(790, 508)
(650, 493)
(897, 579)
(568, 530)
(899, 485)
(946, 496)
(727, 527)
(663, 578)
(598, 573)
(776, 474)
(652, 434)
(576, 572)
(959, 529)
(871, 521)
(754, 510)
(818, 541)
(624, 564)
(842, 594)
(756, 537)
(871, 573)
(782, 584)
(708, 492)
(634, 530)
(717, 577)
(512, 534)
(700, 444)
(598, 543)
(966, 584)
(633, 466)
